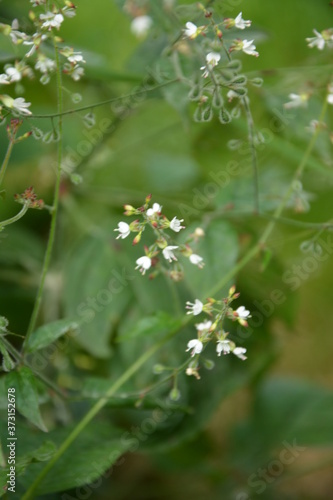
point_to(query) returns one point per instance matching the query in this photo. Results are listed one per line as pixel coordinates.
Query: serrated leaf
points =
(47, 334)
(26, 395)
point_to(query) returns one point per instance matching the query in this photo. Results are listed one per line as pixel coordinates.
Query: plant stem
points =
(16, 217)
(250, 126)
(6, 159)
(102, 103)
(54, 214)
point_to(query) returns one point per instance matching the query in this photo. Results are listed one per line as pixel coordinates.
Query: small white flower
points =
(124, 230)
(17, 104)
(196, 260)
(297, 101)
(4, 79)
(175, 224)
(51, 20)
(141, 25)
(191, 30)
(223, 347)
(168, 253)
(212, 59)
(205, 325)
(14, 75)
(330, 94)
(156, 208)
(195, 308)
(249, 48)
(231, 94)
(317, 41)
(75, 58)
(77, 73)
(44, 64)
(239, 352)
(143, 264)
(196, 346)
(240, 23)
(242, 312)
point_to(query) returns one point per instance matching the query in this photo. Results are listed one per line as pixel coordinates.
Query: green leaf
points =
(7, 362)
(88, 458)
(284, 411)
(151, 326)
(24, 383)
(219, 249)
(97, 291)
(47, 334)
(3, 324)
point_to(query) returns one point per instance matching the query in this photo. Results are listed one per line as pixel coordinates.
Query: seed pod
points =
(195, 93)
(217, 100)
(235, 64)
(239, 80)
(224, 116)
(257, 82)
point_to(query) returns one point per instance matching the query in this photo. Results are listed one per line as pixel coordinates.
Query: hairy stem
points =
(54, 214)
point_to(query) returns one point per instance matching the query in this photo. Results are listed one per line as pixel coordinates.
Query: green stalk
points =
(54, 214)
(6, 159)
(16, 217)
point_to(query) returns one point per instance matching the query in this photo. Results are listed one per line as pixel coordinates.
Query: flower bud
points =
(129, 210)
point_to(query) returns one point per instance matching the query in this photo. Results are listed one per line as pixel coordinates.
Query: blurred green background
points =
(239, 416)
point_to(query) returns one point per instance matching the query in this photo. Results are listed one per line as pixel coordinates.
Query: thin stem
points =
(6, 159)
(102, 103)
(250, 125)
(16, 217)
(54, 214)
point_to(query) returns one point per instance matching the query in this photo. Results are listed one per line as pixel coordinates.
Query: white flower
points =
(212, 60)
(317, 41)
(330, 94)
(195, 308)
(168, 253)
(240, 23)
(205, 325)
(143, 264)
(156, 208)
(77, 73)
(191, 30)
(140, 25)
(196, 346)
(242, 312)
(51, 20)
(17, 104)
(249, 48)
(175, 224)
(196, 260)
(297, 101)
(231, 94)
(4, 79)
(124, 230)
(75, 58)
(44, 64)
(223, 346)
(239, 352)
(14, 75)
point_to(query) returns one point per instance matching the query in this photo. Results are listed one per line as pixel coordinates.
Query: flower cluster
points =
(212, 328)
(163, 250)
(220, 73)
(29, 198)
(46, 25)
